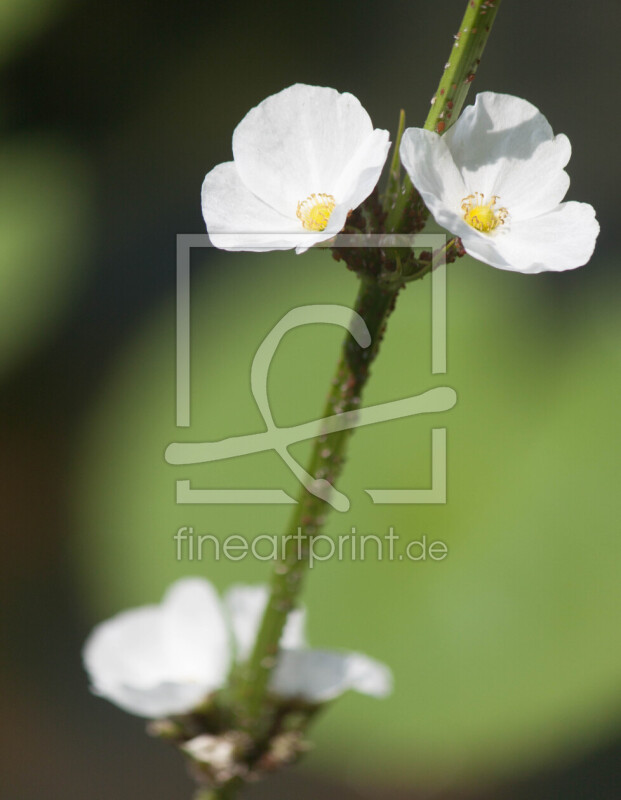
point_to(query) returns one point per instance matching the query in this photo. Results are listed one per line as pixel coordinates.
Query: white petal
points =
(196, 633)
(559, 240)
(159, 660)
(483, 247)
(128, 664)
(161, 700)
(298, 142)
(128, 647)
(362, 171)
(245, 606)
(294, 634)
(430, 165)
(496, 127)
(321, 675)
(496, 124)
(504, 146)
(529, 188)
(237, 220)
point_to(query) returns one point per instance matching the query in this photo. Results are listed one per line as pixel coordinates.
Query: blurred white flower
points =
(496, 180)
(303, 158)
(161, 659)
(167, 659)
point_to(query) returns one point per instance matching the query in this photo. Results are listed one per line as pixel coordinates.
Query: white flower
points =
(303, 158)
(161, 659)
(167, 659)
(496, 180)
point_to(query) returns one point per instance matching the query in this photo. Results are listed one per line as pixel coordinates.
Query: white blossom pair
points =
(167, 659)
(305, 157)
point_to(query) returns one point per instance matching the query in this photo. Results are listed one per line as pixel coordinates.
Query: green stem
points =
(462, 64)
(458, 75)
(374, 304)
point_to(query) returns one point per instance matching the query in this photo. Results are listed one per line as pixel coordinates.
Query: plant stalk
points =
(447, 103)
(374, 303)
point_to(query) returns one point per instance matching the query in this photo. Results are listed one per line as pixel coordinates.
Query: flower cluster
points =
(307, 156)
(163, 660)
(304, 159)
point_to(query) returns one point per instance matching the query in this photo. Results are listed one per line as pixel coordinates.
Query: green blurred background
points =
(506, 655)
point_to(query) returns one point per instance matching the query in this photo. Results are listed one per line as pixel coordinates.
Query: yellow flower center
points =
(484, 217)
(314, 212)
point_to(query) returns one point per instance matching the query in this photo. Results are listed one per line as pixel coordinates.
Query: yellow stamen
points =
(484, 217)
(314, 212)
